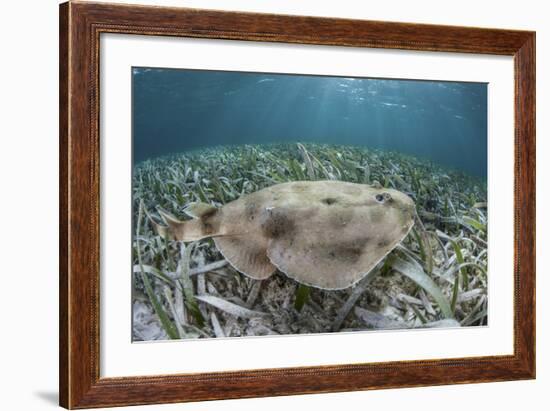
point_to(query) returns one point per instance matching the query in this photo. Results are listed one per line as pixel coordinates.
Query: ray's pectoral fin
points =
(247, 254)
(329, 266)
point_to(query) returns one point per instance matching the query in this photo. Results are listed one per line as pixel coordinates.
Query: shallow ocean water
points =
(212, 137)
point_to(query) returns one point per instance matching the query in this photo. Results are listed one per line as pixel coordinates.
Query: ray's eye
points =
(383, 197)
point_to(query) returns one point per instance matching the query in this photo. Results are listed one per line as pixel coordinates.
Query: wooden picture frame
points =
(80, 27)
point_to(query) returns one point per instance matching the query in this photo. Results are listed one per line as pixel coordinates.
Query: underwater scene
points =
(272, 204)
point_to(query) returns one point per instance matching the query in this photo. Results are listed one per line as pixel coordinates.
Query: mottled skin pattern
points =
(326, 234)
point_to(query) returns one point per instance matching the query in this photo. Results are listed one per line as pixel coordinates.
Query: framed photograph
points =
(259, 205)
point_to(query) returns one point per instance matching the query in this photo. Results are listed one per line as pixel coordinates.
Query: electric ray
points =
(326, 234)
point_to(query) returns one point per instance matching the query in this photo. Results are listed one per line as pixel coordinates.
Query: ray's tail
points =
(205, 223)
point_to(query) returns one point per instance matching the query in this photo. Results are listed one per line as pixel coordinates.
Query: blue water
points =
(179, 110)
